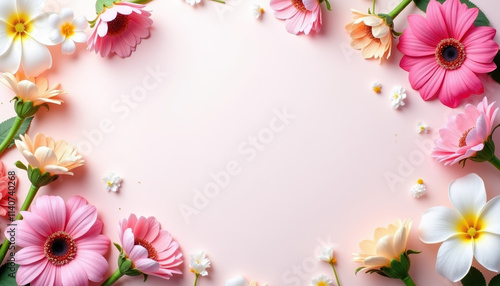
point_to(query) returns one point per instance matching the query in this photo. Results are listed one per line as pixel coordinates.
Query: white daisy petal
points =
(439, 224)
(33, 8)
(490, 216)
(454, 258)
(7, 9)
(40, 31)
(67, 15)
(5, 39)
(11, 59)
(36, 58)
(487, 252)
(68, 47)
(468, 195)
(79, 37)
(80, 23)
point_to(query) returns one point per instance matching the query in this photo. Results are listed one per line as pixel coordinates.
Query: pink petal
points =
(81, 221)
(128, 241)
(422, 72)
(465, 21)
(37, 223)
(480, 133)
(147, 265)
(52, 210)
(141, 228)
(424, 33)
(27, 273)
(479, 67)
(99, 244)
(293, 24)
(153, 229)
(95, 266)
(47, 277)
(29, 255)
(470, 80)
(73, 274)
(412, 46)
(163, 241)
(436, 20)
(73, 204)
(310, 5)
(281, 4)
(27, 236)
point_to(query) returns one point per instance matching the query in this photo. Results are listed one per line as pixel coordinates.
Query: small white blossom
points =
(199, 263)
(326, 254)
(422, 127)
(237, 281)
(376, 86)
(257, 11)
(67, 30)
(113, 181)
(397, 96)
(418, 189)
(321, 280)
(193, 2)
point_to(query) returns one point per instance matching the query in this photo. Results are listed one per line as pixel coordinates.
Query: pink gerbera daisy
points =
(119, 29)
(300, 15)
(8, 183)
(465, 134)
(158, 243)
(62, 244)
(446, 52)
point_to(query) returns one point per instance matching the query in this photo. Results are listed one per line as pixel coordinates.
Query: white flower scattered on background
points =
(322, 280)
(419, 189)
(199, 263)
(68, 30)
(257, 11)
(376, 86)
(422, 127)
(193, 2)
(113, 181)
(237, 281)
(327, 254)
(397, 96)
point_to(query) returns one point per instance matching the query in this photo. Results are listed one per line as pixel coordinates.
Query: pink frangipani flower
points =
(468, 135)
(61, 243)
(119, 29)
(445, 52)
(300, 15)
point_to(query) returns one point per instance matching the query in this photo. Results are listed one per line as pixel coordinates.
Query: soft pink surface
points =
(320, 180)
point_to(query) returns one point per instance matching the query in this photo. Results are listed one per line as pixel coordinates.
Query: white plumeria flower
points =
(397, 96)
(422, 127)
(257, 11)
(199, 263)
(68, 30)
(419, 189)
(470, 230)
(326, 254)
(376, 86)
(24, 37)
(322, 280)
(237, 281)
(113, 181)
(193, 2)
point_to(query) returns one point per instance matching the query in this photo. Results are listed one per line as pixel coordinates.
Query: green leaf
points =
(409, 251)
(8, 274)
(358, 269)
(140, 1)
(145, 277)
(495, 281)
(481, 19)
(474, 278)
(125, 266)
(101, 4)
(20, 165)
(118, 247)
(495, 75)
(7, 124)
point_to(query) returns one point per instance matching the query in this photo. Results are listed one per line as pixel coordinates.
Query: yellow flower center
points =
(420, 181)
(472, 232)
(110, 183)
(322, 284)
(261, 10)
(396, 96)
(18, 25)
(67, 30)
(377, 89)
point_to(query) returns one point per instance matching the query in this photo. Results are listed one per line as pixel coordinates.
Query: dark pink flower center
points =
(463, 141)
(60, 248)
(151, 250)
(118, 25)
(299, 5)
(450, 54)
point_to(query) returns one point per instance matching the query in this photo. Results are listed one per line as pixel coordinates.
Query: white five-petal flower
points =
(113, 181)
(397, 96)
(422, 127)
(68, 30)
(193, 2)
(419, 189)
(470, 230)
(322, 280)
(199, 263)
(376, 86)
(326, 254)
(24, 37)
(257, 11)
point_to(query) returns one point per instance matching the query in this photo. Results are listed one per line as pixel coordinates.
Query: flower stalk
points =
(12, 133)
(196, 279)
(395, 12)
(408, 281)
(333, 266)
(495, 162)
(113, 278)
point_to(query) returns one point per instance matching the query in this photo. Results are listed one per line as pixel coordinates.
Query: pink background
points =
(318, 180)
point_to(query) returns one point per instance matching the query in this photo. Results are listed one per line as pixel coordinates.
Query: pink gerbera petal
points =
(301, 16)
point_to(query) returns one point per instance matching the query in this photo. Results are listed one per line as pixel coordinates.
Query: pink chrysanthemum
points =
(300, 15)
(445, 52)
(119, 29)
(62, 244)
(157, 245)
(7, 191)
(466, 133)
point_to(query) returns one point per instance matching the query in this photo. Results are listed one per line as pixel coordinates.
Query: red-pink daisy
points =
(61, 243)
(300, 15)
(8, 185)
(119, 29)
(159, 244)
(446, 52)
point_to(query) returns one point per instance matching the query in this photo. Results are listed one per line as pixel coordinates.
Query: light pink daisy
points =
(466, 133)
(62, 244)
(119, 29)
(300, 15)
(158, 244)
(7, 191)
(445, 52)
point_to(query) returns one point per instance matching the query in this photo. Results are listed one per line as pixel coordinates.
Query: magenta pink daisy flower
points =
(8, 184)
(61, 243)
(466, 134)
(119, 29)
(157, 244)
(300, 15)
(446, 52)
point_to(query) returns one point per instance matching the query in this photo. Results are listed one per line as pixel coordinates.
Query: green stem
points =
(495, 162)
(13, 131)
(196, 279)
(408, 281)
(113, 278)
(373, 8)
(219, 1)
(333, 266)
(394, 13)
(26, 205)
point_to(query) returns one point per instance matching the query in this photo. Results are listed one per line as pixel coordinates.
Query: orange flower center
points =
(118, 25)
(60, 248)
(151, 250)
(299, 5)
(463, 141)
(450, 54)
(67, 30)
(18, 25)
